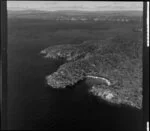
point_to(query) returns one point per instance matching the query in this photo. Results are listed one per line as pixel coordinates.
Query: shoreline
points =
(101, 78)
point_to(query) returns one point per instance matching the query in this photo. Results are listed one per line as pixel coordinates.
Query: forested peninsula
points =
(115, 63)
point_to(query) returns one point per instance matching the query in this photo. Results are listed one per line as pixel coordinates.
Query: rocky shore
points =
(118, 96)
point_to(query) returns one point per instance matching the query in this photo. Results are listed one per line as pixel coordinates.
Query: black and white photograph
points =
(75, 65)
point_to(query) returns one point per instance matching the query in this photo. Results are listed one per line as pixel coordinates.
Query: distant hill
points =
(53, 14)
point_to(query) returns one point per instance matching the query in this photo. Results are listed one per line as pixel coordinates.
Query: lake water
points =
(34, 105)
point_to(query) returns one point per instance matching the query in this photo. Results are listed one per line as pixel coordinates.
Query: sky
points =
(73, 5)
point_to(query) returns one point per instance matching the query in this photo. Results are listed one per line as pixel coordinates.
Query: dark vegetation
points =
(119, 60)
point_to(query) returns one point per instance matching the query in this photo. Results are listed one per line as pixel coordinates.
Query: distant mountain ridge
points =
(77, 12)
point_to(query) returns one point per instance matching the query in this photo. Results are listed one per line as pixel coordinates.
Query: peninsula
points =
(115, 63)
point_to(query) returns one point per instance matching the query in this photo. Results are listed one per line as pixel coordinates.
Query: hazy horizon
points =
(74, 5)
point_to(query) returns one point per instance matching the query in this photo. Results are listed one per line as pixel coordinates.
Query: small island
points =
(116, 64)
